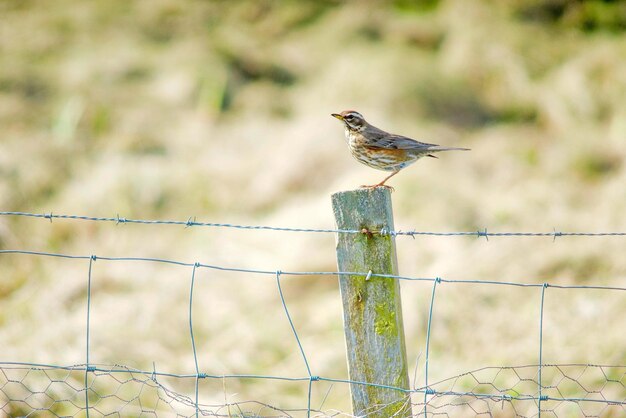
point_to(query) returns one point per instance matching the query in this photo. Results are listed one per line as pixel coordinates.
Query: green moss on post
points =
(372, 309)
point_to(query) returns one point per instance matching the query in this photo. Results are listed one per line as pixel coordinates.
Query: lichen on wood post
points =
(372, 307)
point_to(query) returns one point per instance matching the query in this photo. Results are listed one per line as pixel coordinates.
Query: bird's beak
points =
(337, 115)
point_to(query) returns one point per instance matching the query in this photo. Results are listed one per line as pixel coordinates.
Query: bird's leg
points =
(382, 183)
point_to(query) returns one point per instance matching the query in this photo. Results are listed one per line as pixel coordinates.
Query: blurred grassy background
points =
(221, 110)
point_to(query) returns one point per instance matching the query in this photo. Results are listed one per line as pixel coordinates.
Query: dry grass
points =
(165, 109)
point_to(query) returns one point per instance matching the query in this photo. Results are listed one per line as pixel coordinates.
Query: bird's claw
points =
(374, 186)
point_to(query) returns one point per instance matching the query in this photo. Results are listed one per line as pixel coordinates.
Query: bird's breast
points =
(379, 158)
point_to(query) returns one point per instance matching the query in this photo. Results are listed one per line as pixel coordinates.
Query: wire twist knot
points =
(483, 234)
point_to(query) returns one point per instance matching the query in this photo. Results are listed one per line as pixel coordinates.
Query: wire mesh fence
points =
(86, 389)
(113, 390)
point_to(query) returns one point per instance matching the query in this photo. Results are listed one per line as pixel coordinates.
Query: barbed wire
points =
(190, 222)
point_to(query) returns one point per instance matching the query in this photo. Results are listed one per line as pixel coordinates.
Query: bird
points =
(381, 150)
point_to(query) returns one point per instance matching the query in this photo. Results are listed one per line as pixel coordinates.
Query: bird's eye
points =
(349, 117)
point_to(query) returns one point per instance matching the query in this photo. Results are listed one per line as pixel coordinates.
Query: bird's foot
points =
(374, 186)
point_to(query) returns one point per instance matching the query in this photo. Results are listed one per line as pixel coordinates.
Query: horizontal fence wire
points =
(27, 389)
(411, 233)
(307, 273)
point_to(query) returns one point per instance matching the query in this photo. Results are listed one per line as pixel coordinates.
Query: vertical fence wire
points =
(293, 329)
(427, 391)
(87, 367)
(193, 341)
(539, 395)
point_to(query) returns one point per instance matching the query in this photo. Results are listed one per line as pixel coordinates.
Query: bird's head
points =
(353, 119)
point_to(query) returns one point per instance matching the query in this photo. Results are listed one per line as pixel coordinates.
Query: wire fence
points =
(86, 389)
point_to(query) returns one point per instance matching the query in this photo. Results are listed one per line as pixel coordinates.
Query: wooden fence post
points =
(372, 309)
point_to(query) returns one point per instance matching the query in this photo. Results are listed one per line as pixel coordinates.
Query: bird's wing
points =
(381, 139)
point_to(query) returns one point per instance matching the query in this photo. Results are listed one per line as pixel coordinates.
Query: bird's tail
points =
(438, 148)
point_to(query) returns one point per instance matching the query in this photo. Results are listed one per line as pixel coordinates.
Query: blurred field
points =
(221, 110)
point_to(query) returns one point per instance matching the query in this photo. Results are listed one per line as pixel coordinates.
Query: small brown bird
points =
(382, 150)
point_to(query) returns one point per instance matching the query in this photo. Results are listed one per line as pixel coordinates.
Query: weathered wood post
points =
(372, 310)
